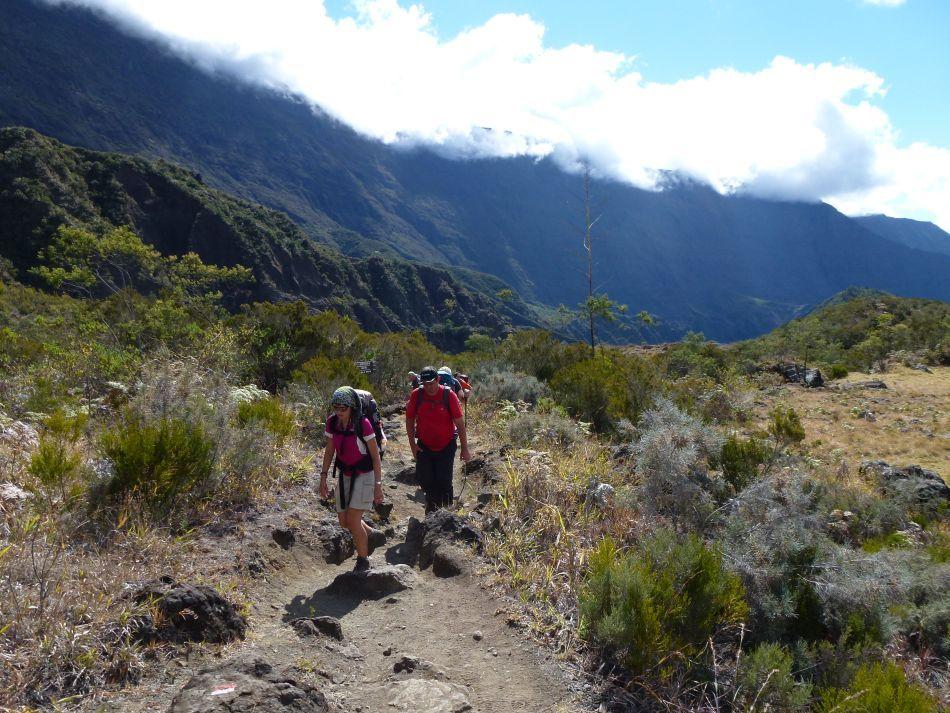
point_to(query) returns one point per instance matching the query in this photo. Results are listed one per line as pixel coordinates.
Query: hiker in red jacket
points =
(433, 420)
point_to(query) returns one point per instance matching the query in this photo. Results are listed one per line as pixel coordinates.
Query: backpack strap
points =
(420, 394)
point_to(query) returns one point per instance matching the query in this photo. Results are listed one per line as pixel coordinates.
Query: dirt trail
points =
(458, 624)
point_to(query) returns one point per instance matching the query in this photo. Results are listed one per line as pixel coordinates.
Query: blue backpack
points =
(450, 381)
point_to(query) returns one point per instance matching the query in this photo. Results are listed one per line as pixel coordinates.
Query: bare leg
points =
(357, 528)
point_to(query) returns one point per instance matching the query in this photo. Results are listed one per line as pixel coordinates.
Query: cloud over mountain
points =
(788, 130)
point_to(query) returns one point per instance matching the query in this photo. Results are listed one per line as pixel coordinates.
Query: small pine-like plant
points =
(660, 603)
(740, 459)
(785, 425)
(877, 688)
(766, 682)
(269, 413)
(159, 461)
(55, 466)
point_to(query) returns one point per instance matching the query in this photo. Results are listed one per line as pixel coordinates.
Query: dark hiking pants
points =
(434, 475)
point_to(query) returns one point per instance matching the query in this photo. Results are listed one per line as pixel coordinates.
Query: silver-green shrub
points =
(672, 463)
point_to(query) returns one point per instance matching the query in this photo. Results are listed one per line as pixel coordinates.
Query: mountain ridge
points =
(731, 267)
(44, 184)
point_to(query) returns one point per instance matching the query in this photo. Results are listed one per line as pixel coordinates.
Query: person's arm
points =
(411, 424)
(377, 470)
(463, 437)
(458, 417)
(325, 470)
(411, 433)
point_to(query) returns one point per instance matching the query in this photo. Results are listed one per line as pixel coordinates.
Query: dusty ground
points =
(909, 422)
(458, 624)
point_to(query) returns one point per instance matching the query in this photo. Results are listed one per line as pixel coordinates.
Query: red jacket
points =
(435, 416)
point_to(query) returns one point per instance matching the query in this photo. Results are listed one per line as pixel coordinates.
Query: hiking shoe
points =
(362, 564)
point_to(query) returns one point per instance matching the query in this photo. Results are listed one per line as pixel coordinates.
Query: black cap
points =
(428, 374)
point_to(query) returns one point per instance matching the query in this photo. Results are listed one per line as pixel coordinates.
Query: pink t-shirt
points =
(349, 448)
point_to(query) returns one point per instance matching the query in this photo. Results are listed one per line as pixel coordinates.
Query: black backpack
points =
(367, 408)
(370, 410)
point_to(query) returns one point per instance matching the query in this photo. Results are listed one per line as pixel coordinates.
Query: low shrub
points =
(775, 541)
(657, 606)
(507, 386)
(56, 466)
(327, 373)
(274, 418)
(837, 371)
(740, 459)
(766, 682)
(606, 388)
(672, 456)
(786, 426)
(527, 429)
(159, 461)
(877, 688)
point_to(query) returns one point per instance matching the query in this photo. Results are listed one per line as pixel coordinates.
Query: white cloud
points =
(884, 3)
(789, 130)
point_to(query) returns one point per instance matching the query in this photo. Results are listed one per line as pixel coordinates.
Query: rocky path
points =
(442, 644)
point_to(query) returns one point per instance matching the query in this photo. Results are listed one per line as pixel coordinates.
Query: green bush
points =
(606, 388)
(271, 416)
(766, 682)
(55, 465)
(837, 371)
(659, 603)
(786, 426)
(740, 459)
(877, 688)
(160, 461)
(327, 373)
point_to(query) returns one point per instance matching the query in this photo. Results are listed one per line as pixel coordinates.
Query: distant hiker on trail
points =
(413, 380)
(446, 379)
(350, 436)
(433, 420)
(465, 387)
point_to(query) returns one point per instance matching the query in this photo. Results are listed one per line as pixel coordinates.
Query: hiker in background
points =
(413, 380)
(465, 387)
(446, 379)
(350, 436)
(433, 422)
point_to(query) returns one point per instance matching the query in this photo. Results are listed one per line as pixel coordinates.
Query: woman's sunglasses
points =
(340, 407)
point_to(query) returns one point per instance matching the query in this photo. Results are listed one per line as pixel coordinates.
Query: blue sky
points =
(908, 45)
(843, 101)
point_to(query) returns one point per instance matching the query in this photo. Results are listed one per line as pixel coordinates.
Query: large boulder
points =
(336, 542)
(488, 469)
(186, 612)
(795, 374)
(374, 583)
(444, 537)
(405, 475)
(314, 626)
(911, 481)
(250, 686)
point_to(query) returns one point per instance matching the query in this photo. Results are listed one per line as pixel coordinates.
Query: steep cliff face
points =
(44, 184)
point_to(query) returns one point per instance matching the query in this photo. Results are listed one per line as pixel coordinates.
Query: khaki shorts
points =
(363, 491)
